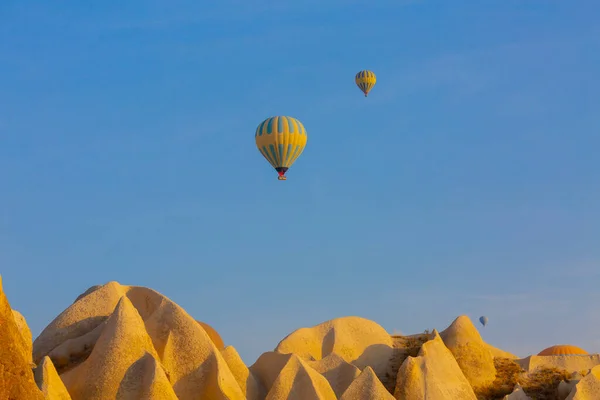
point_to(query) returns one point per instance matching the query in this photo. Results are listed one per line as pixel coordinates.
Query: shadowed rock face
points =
(49, 382)
(16, 376)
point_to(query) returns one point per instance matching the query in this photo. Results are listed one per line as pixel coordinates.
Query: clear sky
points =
(468, 182)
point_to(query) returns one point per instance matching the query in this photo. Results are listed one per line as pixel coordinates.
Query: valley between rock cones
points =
(131, 342)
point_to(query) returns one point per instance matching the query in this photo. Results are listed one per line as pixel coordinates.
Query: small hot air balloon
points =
(281, 140)
(483, 320)
(365, 80)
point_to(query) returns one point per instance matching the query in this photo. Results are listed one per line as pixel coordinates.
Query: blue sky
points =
(467, 183)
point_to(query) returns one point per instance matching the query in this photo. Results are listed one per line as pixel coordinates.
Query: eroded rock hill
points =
(131, 342)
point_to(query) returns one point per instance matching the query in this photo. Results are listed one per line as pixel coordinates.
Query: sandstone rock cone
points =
(16, 376)
(122, 342)
(298, 381)
(434, 374)
(245, 379)
(366, 387)
(49, 382)
(471, 352)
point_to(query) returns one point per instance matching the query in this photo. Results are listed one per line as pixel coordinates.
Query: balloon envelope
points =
(281, 140)
(365, 80)
(562, 350)
(483, 320)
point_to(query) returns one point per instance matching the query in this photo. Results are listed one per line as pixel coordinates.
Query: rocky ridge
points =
(130, 342)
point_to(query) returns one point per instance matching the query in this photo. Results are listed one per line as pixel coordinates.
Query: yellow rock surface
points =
(80, 318)
(16, 376)
(213, 335)
(298, 381)
(588, 387)
(181, 345)
(433, 375)
(49, 382)
(470, 351)
(339, 373)
(145, 379)
(247, 382)
(122, 342)
(498, 353)
(366, 387)
(195, 366)
(357, 340)
(268, 366)
(572, 363)
(25, 333)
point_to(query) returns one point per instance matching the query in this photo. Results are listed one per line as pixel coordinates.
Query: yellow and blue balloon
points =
(365, 80)
(281, 140)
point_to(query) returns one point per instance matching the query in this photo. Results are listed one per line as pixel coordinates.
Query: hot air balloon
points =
(281, 140)
(483, 320)
(562, 350)
(365, 80)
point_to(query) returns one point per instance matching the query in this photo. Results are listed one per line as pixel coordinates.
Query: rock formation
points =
(517, 394)
(129, 343)
(366, 387)
(213, 335)
(433, 375)
(339, 373)
(114, 331)
(588, 388)
(357, 340)
(16, 376)
(572, 363)
(49, 382)
(25, 334)
(298, 381)
(498, 353)
(248, 383)
(471, 352)
(122, 342)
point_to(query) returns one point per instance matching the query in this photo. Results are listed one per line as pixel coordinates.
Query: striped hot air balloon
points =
(562, 350)
(365, 80)
(281, 140)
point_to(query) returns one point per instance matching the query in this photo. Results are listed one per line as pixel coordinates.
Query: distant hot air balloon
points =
(365, 80)
(281, 140)
(562, 350)
(483, 320)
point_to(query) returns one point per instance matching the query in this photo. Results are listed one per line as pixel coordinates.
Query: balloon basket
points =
(282, 178)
